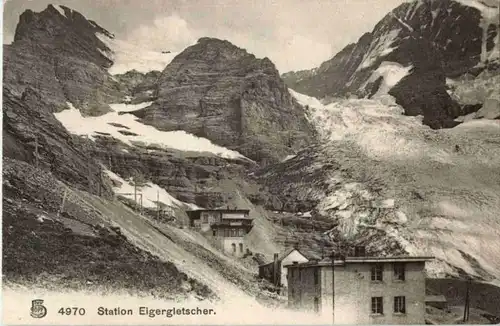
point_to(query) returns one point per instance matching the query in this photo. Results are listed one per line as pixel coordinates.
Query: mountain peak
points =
(60, 30)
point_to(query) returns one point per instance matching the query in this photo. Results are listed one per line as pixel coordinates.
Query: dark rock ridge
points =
(62, 58)
(439, 39)
(216, 90)
(141, 87)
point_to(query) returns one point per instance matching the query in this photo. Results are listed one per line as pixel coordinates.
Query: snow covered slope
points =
(127, 128)
(150, 193)
(490, 16)
(433, 192)
(127, 56)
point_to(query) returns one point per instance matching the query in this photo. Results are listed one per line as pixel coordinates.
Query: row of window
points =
(233, 245)
(378, 269)
(377, 272)
(378, 305)
(229, 232)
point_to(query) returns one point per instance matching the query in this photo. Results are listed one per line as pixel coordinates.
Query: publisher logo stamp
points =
(38, 310)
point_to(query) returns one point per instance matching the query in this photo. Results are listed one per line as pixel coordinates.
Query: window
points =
(316, 304)
(241, 247)
(205, 218)
(399, 305)
(214, 233)
(234, 247)
(377, 270)
(377, 305)
(316, 276)
(399, 272)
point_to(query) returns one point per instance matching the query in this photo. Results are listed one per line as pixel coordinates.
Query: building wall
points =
(354, 290)
(227, 245)
(304, 289)
(295, 255)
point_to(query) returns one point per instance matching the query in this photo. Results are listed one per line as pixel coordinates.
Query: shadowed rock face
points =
(438, 39)
(216, 90)
(62, 58)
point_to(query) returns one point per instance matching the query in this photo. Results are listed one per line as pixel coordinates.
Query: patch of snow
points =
(289, 157)
(413, 9)
(379, 47)
(60, 10)
(307, 214)
(405, 25)
(392, 73)
(41, 218)
(125, 107)
(77, 124)
(127, 56)
(150, 193)
(106, 54)
(489, 16)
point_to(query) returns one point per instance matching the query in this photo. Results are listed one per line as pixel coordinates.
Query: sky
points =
(294, 34)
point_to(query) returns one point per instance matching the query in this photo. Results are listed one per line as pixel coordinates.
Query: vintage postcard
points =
(251, 162)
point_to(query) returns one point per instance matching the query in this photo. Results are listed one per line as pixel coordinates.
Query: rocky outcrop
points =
(139, 86)
(332, 76)
(58, 53)
(218, 91)
(433, 39)
(32, 134)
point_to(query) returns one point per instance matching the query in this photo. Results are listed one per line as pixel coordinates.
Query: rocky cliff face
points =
(409, 54)
(218, 91)
(57, 53)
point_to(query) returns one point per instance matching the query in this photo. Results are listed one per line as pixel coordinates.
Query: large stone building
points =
(227, 228)
(361, 290)
(275, 271)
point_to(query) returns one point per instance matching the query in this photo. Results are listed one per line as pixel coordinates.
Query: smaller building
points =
(275, 271)
(361, 290)
(227, 228)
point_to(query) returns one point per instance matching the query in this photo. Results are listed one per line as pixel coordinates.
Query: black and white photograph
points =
(251, 162)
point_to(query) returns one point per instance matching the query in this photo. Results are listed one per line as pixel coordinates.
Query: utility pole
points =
(89, 170)
(36, 151)
(99, 181)
(135, 193)
(333, 287)
(63, 202)
(467, 300)
(158, 204)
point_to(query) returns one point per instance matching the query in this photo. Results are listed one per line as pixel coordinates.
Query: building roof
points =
(352, 260)
(222, 210)
(285, 254)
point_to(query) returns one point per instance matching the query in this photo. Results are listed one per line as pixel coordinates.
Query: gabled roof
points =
(284, 254)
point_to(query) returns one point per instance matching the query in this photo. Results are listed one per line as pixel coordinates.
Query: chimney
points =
(359, 251)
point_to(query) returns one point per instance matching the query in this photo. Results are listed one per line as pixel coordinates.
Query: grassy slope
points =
(31, 193)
